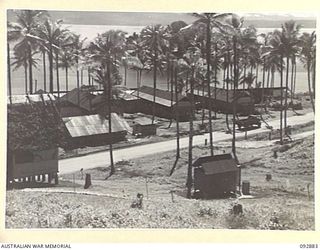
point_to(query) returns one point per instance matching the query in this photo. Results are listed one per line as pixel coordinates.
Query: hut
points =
(216, 176)
(122, 101)
(274, 92)
(143, 126)
(33, 138)
(93, 130)
(225, 100)
(166, 104)
(76, 102)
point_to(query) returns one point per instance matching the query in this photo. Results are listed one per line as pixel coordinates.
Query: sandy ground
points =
(285, 202)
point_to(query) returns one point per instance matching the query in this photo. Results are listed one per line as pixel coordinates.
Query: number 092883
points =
(308, 246)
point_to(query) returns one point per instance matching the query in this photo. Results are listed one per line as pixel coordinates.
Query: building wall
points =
(24, 164)
(96, 140)
(145, 130)
(216, 185)
(244, 105)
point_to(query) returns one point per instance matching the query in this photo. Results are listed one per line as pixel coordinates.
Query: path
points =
(102, 158)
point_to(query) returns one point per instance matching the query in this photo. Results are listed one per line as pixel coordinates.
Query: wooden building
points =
(225, 100)
(93, 130)
(274, 92)
(33, 139)
(165, 103)
(215, 176)
(76, 102)
(143, 126)
(122, 101)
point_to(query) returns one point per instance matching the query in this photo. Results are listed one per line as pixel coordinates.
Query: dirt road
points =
(102, 158)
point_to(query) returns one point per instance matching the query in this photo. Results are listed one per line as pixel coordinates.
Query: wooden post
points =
(43, 179)
(49, 178)
(147, 191)
(74, 184)
(56, 179)
(87, 181)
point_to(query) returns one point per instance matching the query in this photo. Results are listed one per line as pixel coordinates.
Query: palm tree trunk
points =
(215, 80)
(78, 79)
(177, 113)
(286, 95)
(227, 84)
(30, 71)
(171, 95)
(154, 86)
(281, 100)
(26, 77)
(44, 71)
(234, 94)
(268, 78)
(67, 87)
(89, 78)
(50, 70)
(57, 72)
(125, 75)
(9, 73)
(309, 86)
(263, 80)
(189, 176)
(292, 78)
(208, 58)
(244, 75)
(112, 168)
(314, 78)
(81, 77)
(257, 72)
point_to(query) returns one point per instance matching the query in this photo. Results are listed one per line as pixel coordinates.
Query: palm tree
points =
(51, 33)
(289, 38)
(193, 62)
(21, 60)
(103, 51)
(211, 20)
(24, 31)
(308, 57)
(153, 39)
(66, 62)
(277, 50)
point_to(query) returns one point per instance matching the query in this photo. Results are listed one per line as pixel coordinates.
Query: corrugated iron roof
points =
(23, 99)
(216, 164)
(84, 98)
(93, 125)
(163, 97)
(142, 121)
(221, 93)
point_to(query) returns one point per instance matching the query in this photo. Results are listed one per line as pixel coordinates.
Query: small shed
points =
(166, 103)
(143, 126)
(216, 176)
(93, 130)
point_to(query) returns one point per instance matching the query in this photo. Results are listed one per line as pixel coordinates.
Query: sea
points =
(90, 32)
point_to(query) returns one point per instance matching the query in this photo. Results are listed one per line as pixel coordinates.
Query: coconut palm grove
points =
(203, 122)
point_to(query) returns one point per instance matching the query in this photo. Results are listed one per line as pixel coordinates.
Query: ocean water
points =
(90, 31)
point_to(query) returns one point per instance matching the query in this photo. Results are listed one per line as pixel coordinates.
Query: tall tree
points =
(308, 57)
(103, 51)
(24, 32)
(211, 20)
(51, 34)
(154, 41)
(289, 38)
